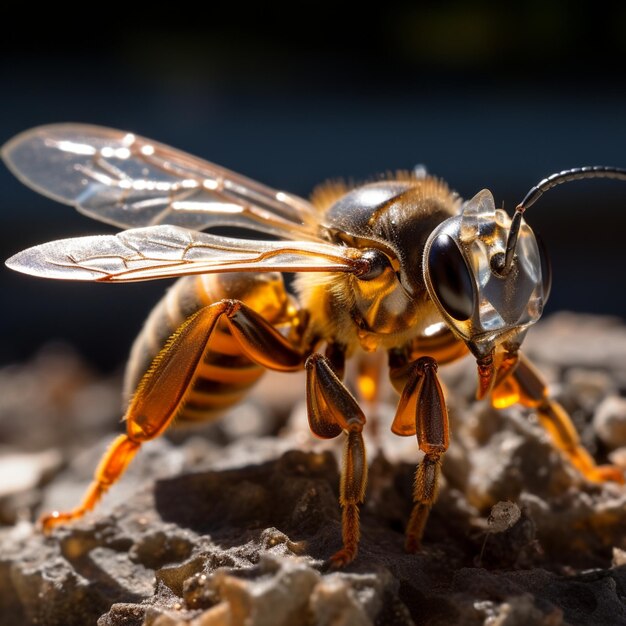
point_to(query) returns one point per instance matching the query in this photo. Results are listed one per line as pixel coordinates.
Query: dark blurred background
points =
(484, 96)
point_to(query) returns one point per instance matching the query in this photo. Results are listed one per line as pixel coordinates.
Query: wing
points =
(167, 251)
(126, 180)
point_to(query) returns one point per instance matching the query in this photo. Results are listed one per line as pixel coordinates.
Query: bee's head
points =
(488, 274)
(486, 298)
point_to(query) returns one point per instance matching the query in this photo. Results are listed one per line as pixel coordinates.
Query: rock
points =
(517, 611)
(609, 422)
(22, 474)
(570, 340)
(236, 526)
(67, 404)
(503, 516)
(24, 471)
(278, 595)
(619, 557)
(618, 458)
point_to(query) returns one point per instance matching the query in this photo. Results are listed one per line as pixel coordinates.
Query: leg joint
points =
(426, 363)
(231, 306)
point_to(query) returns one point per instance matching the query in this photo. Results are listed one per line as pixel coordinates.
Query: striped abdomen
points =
(225, 374)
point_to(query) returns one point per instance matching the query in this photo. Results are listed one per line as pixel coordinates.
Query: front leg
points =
(332, 410)
(526, 386)
(422, 411)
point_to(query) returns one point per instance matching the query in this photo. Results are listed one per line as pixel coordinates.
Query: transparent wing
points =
(126, 180)
(166, 251)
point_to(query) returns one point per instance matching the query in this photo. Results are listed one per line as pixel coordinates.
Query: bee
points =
(400, 265)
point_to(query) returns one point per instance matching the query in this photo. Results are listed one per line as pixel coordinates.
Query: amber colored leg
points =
(425, 492)
(261, 341)
(444, 347)
(331, 410)
(336, 355)
(111, 467)
(422, 411)
(351, 493)
(161, 392)
(433, 439)
(486, 375)
(526, 386)
(508, 363)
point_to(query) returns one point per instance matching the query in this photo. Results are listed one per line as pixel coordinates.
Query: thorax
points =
(394, 217)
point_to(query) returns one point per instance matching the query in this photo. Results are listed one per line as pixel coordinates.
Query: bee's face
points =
(482, 305)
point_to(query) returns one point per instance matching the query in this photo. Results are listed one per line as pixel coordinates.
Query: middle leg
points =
(332, 410)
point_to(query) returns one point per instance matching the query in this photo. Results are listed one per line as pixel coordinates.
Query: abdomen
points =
(225, 373)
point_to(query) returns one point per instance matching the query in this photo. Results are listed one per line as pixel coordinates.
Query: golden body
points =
(392, 309)
(396, 265)
(330, 308)
(225, 373)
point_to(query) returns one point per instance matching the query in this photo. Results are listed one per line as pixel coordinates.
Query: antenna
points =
(566, 176)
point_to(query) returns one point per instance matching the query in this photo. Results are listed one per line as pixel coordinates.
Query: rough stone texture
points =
(233, 523)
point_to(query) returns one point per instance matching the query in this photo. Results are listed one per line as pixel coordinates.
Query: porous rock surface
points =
(234, 525)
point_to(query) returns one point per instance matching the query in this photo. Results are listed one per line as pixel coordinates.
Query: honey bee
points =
(400, 265)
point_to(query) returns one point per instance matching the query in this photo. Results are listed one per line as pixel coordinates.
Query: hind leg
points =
(161, 392)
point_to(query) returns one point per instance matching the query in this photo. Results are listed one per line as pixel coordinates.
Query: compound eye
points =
(451, 278)
(546, 268)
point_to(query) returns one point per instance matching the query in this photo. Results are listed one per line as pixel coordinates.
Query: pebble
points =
(609, 422)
